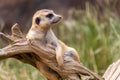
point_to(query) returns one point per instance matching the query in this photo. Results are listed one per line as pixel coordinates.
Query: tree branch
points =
(43, 58)
(113, 71)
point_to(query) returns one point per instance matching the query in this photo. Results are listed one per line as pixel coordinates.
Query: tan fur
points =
(43, 32)
(66, 48)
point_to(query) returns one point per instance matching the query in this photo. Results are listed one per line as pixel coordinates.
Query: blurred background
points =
(92, 27)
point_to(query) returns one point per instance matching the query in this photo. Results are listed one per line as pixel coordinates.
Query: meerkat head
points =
(45, 19)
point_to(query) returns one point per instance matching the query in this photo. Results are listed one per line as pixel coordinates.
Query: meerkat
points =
(42, 22)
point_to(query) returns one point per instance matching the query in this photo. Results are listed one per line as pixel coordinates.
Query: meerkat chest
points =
(51, 38)
(34, 34)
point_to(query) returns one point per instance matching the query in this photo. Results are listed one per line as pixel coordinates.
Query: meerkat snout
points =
(56, 19)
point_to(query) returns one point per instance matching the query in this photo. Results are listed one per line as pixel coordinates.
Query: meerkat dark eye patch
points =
(49, 15)
(37, 20)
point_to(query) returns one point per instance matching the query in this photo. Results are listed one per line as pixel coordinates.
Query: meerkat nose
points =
(60, 17)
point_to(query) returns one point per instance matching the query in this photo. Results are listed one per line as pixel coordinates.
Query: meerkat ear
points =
(37, 20)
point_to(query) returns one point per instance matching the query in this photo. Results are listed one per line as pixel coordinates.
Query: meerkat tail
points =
(59, 55)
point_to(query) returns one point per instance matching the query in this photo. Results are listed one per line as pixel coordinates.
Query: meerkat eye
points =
(50, 15)
(37, 20)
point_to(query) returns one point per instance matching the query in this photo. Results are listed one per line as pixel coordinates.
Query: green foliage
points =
(97, 41)
(12, 69)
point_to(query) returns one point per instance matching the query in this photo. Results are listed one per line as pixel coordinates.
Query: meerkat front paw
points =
(59, 60)
(59, 55)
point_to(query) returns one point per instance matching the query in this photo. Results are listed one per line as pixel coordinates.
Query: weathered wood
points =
(113, 71)
(43, 58)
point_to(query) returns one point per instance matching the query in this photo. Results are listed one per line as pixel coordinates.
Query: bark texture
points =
(113, 71)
